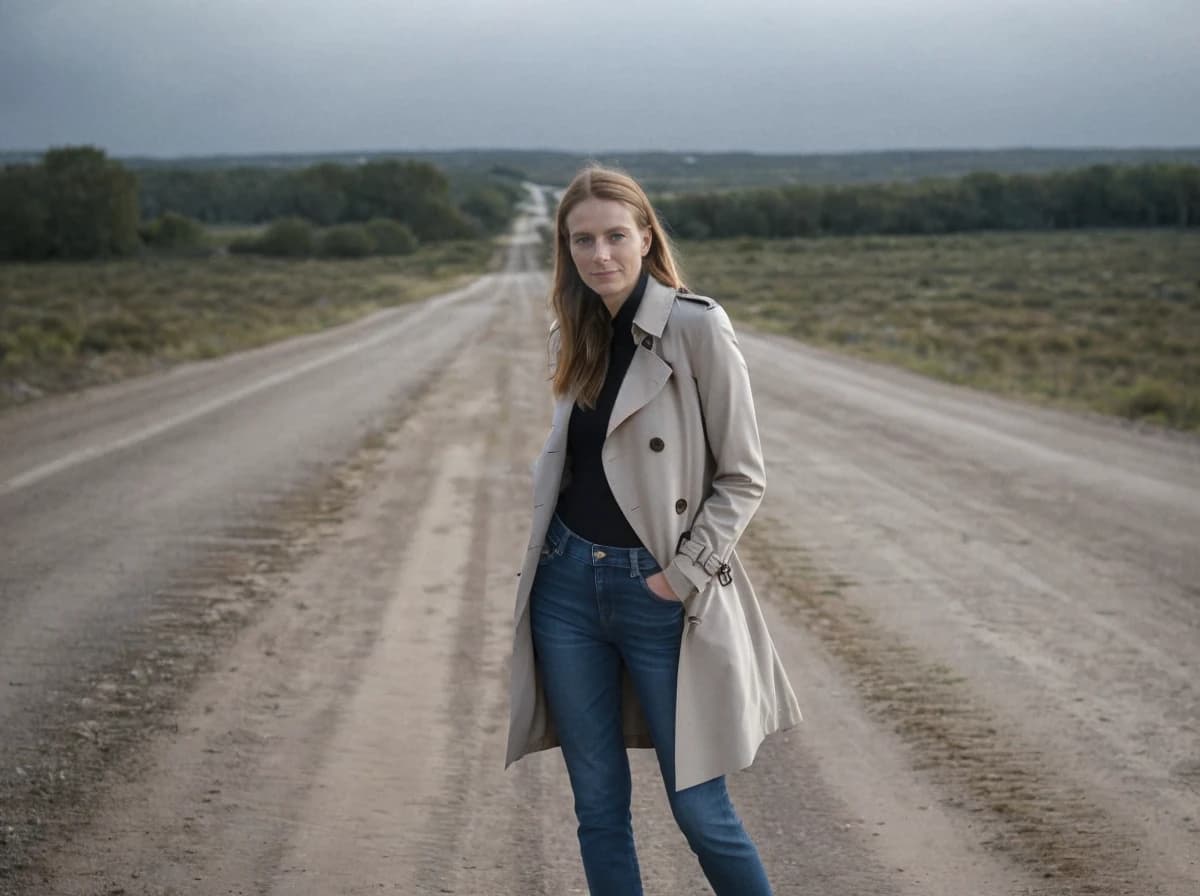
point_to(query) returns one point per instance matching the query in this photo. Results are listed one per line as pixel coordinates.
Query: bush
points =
(173, 231)
(435, 219)
(1148, 399)
(489, 207)
(347, 241)
(285, 238)
(391, 237)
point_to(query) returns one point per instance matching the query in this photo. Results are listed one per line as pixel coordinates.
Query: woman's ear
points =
(647, 240)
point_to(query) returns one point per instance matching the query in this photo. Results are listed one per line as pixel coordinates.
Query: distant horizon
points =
(612, 152)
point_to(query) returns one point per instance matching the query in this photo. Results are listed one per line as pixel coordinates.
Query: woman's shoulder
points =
(697, 313)
(706, 302)
(701, 323)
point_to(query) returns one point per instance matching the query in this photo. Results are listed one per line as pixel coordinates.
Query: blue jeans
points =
(592, 614)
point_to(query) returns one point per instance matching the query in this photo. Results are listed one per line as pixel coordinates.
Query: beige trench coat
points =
(687, 380)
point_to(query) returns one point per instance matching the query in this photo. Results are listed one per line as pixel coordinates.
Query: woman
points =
(636, 625)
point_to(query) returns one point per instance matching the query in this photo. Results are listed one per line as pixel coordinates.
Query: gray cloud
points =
(172, 77)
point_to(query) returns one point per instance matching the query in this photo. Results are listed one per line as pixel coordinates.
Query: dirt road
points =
(256, 617)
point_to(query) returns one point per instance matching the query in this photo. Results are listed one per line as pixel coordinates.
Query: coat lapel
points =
(647, 373)
(652, 314)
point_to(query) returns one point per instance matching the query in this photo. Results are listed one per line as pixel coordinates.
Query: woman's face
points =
(607, 246)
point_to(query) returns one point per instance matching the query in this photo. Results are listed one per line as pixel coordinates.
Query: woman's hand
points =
(659, 585)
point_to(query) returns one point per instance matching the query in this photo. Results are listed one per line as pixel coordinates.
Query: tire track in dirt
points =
(1058, 591)
(1035, 812)
(491, 827)
(459, 772)
(382, 787)
(216, 808)
(295, 782)
(93, 739)
(86, 732)
(404, 815)
(243, 755)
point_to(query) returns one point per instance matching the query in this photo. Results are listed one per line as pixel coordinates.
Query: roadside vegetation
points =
(94, 287)
(66, 325)
(76, 203)
(1015, 282)
(1107, 321)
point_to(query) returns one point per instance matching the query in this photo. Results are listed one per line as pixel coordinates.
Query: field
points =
(1105, 321)
(73, 324)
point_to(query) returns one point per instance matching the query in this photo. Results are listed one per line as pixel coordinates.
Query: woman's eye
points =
(618, 236)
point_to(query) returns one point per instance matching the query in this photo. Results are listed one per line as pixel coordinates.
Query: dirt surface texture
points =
(255, 617)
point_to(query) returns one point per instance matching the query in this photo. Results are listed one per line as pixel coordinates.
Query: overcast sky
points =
(172, 77)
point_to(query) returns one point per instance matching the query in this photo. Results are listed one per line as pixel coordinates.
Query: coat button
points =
(680, 506)
(656, 444)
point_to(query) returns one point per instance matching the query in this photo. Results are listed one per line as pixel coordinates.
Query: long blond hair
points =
(584, 325)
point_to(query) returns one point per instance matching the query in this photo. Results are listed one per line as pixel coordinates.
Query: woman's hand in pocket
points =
(659, 585)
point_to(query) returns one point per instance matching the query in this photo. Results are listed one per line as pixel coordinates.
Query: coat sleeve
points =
(739, 480)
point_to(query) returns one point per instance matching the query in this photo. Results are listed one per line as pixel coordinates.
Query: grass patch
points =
(1106, 321)
(67, 325)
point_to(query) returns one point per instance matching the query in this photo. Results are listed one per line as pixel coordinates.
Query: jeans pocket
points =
(650, 592)
(550, 550)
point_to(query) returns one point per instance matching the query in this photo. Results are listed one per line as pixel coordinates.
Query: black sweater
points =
(587, 505)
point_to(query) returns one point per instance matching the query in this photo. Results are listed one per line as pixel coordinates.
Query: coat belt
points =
(704, 558)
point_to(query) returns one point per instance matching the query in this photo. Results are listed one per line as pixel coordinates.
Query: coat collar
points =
(651, 317)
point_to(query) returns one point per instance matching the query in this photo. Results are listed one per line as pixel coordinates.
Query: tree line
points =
(78, 203)
(1152, 195)
(328, 193)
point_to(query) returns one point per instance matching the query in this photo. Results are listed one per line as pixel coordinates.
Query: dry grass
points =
(68, 325)
(1107, 321)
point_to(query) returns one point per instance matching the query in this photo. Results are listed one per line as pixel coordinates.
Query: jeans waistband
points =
(563, 541)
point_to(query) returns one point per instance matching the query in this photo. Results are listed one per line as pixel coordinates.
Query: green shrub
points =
(1148, 399)
(286, 238)
(173, 231)
(346, 241)
(391, 237)
(489, 207)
